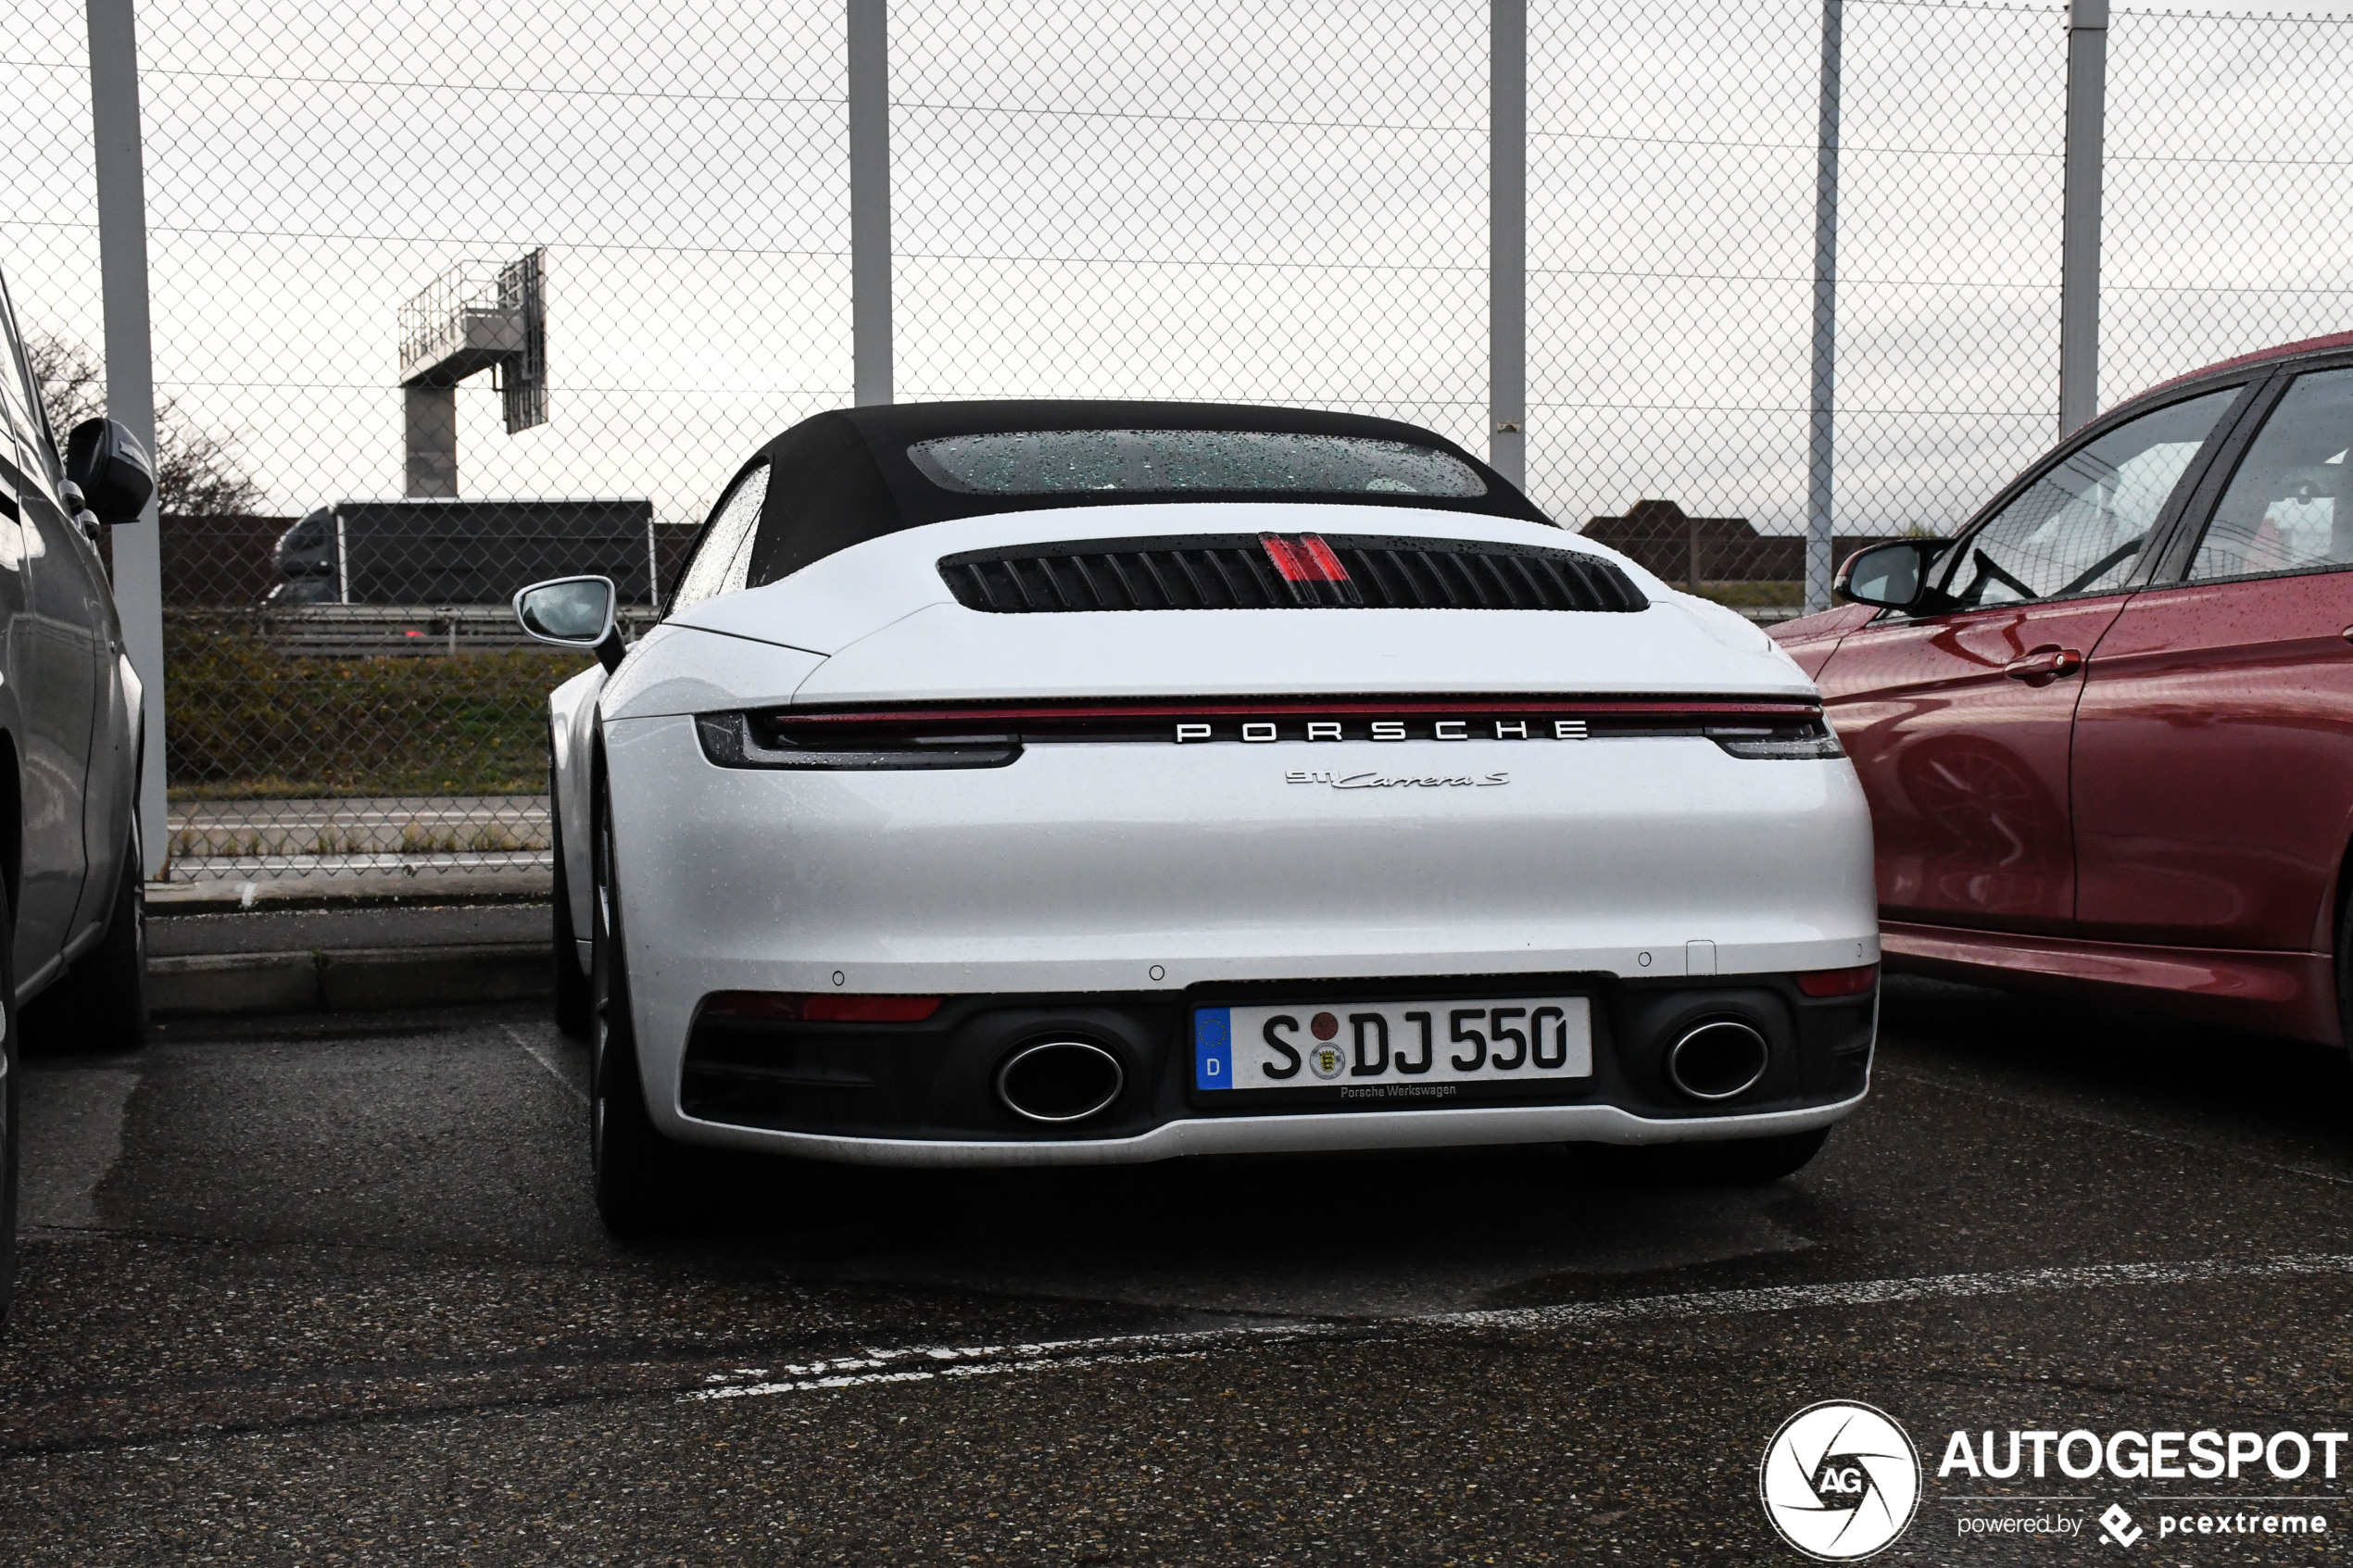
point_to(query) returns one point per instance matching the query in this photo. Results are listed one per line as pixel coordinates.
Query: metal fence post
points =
(1507, 240)
(1822, 423)
(2079, 222)
(131, 392)
(870, 201)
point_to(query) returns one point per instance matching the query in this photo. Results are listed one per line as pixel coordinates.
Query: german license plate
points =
(1391, 1050)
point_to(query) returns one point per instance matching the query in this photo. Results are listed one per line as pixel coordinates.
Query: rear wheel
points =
(2344, 965)
(640, 1177)
(1732, 1162)
(575, 1001)
(11, 1060)
(101, 1004)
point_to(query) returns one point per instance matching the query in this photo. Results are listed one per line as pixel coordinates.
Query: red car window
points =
(2283, 510)
(2080, 526)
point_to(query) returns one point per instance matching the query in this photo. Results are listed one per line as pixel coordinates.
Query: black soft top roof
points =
(843, 477)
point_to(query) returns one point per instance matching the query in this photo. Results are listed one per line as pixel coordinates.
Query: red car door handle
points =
(2043, 666)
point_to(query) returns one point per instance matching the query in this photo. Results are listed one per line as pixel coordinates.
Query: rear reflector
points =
(869, 1009)
(1839, 981)
(790, 1007)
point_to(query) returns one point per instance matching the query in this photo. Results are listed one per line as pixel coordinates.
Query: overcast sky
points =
(1252, 201)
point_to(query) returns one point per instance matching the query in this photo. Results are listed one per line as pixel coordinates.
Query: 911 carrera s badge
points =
(1385, 780)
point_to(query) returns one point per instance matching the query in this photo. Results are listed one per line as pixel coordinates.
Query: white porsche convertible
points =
(1066, 782)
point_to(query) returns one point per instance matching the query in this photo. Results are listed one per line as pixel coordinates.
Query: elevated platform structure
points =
(476, 317)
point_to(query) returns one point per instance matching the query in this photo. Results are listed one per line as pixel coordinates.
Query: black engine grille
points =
(1246, 571)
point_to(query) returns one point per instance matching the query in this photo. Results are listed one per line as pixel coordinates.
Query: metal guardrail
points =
(242, 839)
(362, 631)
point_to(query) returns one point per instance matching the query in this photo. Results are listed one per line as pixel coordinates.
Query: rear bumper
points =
(1130, 883)
(1328, 1132)
(885, 1093)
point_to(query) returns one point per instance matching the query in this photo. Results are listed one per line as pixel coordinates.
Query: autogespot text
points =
(2143, 1456)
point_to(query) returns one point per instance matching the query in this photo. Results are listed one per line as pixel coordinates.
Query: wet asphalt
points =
(331, 1292)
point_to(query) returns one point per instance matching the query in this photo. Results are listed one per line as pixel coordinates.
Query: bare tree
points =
(73, 385)
(198, 472)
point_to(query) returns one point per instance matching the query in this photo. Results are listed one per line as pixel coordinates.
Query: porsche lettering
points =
(1260, 731)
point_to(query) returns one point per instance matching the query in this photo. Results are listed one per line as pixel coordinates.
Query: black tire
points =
(11, 1070)
(2344, 965)
(101, 1003)
(575, 999)
(641, 1180)
(1733, 1162)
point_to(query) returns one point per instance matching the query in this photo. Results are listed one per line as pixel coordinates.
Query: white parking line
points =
(927, 1363)
(1877, 1292)
(539, 1053)
(985, 1360)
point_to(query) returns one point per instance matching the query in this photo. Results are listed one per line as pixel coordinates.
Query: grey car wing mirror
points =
(573, 612)
(1891, 576)
(114, 472)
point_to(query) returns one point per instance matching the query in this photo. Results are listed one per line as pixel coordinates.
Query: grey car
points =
(72, 922)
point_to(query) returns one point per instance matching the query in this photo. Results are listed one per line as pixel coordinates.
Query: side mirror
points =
(1890, 576)
(573, 612)
(114, 471)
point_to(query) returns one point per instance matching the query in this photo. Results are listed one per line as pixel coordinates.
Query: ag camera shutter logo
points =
(1839, 1481)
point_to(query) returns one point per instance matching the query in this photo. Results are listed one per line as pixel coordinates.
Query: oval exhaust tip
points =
(1718, 1060)
(1058, 1081)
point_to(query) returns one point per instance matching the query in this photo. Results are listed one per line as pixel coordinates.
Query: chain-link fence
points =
(448, 298)
(2230, 190)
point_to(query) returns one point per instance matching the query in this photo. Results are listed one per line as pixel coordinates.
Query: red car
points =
(2106, 730)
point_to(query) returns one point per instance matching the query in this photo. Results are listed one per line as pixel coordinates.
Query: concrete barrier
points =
(348, 980)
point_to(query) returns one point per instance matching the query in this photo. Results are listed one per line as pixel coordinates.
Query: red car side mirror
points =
(1890, 576)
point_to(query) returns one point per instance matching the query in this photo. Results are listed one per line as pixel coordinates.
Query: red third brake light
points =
(788, 1007)
(1286, 558)
(1839, 981)
(1328, 567)
(1304, 559)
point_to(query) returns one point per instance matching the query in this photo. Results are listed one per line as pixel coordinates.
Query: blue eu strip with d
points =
(1213, 1048)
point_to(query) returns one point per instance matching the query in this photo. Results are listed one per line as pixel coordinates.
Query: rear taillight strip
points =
(744, 740)
(992, 736)
(1695, 708)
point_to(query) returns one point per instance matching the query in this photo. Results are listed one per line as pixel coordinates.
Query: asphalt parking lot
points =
(331, 1292)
